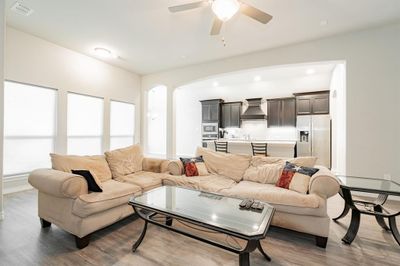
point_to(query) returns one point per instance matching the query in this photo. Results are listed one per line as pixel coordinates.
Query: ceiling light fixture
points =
(310, 71)
(104, 53)
(225, 9)
(215, 84)
(257, 78)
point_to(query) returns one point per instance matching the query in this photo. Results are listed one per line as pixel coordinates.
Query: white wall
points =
(33, 60)
(338, 115)
(29, 59)
(188, 107)
(2, 28)
(372, 64)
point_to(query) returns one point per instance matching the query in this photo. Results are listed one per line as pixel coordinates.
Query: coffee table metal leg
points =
(353, 228)
(139, 241)
(380, 219)
(268, 258)
(393, 228)
(344, 212)
(168, 221)
(244, 259)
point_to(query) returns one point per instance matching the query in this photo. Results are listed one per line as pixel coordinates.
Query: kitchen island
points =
(275, 148)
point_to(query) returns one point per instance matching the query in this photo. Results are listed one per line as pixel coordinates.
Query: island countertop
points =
(276, 148)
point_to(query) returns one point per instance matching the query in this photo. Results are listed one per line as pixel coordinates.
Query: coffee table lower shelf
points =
(148, 214)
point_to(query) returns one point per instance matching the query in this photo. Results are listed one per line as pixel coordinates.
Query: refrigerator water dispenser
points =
(304, 135)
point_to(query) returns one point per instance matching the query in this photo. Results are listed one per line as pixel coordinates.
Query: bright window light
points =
(122, 124)
(84, 124)
(29, 127)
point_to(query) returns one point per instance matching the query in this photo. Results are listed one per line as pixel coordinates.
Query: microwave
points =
(209, 128)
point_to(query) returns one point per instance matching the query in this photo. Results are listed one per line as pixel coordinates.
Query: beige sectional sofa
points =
(65, 201)
(235, 175)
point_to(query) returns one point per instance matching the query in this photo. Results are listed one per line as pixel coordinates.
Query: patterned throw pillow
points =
(296, 178)
(194, 166)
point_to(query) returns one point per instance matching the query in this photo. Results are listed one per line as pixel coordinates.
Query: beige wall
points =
(372, 62)
(2, 25)
(33, 60)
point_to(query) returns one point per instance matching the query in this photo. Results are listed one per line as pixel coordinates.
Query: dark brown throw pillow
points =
(194, 166)
(93, 182)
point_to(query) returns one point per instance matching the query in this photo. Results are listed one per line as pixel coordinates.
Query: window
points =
(157, 121)
(29, 127)
(85, 124)
(122, 124)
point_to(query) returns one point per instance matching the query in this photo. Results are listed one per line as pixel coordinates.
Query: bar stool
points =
(259, 149)
(221, 146)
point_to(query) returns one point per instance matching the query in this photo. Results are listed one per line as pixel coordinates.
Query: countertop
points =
(284, 142)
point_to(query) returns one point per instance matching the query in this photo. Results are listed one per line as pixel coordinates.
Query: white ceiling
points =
(147, 38)
(291, 78)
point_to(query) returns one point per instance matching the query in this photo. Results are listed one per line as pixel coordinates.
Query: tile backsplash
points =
(258, 130)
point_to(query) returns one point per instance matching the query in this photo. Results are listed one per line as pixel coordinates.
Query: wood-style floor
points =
(23, 242)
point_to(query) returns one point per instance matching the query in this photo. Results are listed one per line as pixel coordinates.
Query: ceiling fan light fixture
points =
(225, 9)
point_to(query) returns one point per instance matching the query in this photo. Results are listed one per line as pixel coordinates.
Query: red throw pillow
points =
(285, 179)
(191, 169)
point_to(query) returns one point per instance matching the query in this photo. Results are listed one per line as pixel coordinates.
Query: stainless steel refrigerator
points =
(314, 137)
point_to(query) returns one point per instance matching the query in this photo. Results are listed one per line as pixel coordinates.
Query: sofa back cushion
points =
(265, 174)
(230, 165)
(125, 161)
(306, 161)
(97, 164)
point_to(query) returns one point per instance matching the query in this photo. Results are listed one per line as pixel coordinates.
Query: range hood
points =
(254, 110)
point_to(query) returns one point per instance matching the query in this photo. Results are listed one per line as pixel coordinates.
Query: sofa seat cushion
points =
(114, 194)
(145, 180)
(275, 195)
(210, 183)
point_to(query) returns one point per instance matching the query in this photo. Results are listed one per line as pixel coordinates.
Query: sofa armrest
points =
(324, 183)
(175, 167)
(57, 183)
(155, 165)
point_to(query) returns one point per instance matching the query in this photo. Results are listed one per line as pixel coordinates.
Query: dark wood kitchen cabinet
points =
(312, 103)
(211, 111)
(281, 112)
(231, 114)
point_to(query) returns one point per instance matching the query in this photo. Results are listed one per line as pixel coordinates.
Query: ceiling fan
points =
(224, 10)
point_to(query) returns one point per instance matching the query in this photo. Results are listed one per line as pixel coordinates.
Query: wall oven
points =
(209, 132)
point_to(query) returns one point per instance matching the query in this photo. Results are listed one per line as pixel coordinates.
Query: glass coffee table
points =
(212, 212)
(383, 188)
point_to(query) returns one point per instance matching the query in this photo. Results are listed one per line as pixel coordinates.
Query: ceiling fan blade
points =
(255, 13)
(216, 27)
(189, 6)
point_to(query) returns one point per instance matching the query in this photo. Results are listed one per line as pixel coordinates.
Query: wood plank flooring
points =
(23, 242)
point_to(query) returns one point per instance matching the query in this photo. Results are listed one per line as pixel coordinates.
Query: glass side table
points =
(383, 188)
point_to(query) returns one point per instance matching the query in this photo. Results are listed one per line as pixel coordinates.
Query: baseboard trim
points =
(15, 184)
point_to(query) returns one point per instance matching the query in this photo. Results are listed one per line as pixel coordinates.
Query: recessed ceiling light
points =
(215, 84)
(104, 53)
(310, 71)
(257, 78)
(323, 23)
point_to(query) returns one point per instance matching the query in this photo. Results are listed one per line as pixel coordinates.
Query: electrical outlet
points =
(387, 177)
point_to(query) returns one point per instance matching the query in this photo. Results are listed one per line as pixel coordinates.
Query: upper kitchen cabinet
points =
(211, 111)
(282, 112)
(231, 114)
(312, 103)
